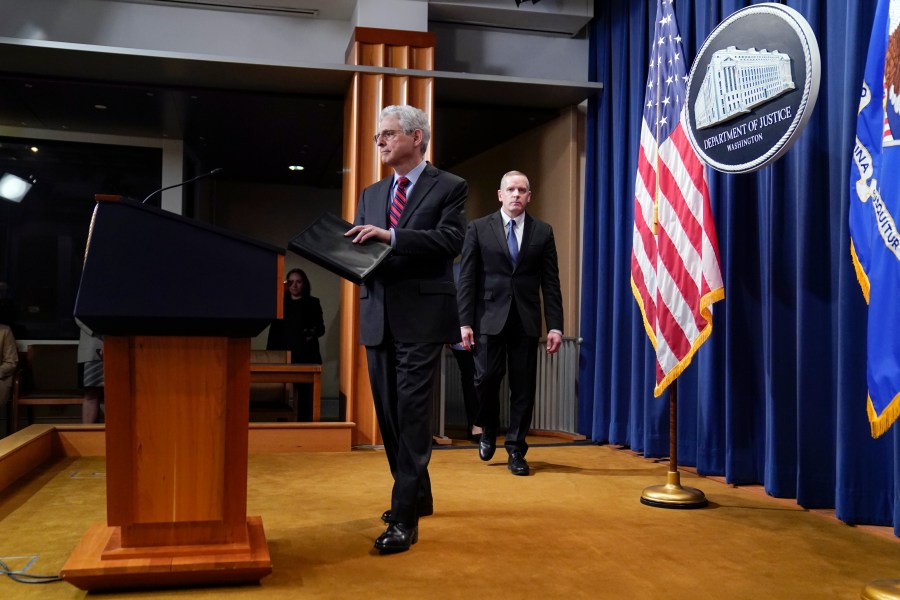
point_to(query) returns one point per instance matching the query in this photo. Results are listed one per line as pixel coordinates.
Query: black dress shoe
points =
(486, 446)
(517, 464)
(423, 511)
(397, 538)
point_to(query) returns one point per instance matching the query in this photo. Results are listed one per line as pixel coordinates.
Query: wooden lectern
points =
(176, 302)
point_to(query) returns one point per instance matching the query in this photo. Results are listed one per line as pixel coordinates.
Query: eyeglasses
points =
(387, 134)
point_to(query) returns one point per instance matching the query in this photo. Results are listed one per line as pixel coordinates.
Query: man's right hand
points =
(468, 337)
(364, 232)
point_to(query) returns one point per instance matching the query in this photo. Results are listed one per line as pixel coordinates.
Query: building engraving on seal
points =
(737, 81)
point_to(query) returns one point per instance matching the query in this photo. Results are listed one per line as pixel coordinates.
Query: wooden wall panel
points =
(398, 57)
(421, 93)
(279, 292)
(349, 320)
(372, 55)
(396, 92)
(422, 59)
(372, 97)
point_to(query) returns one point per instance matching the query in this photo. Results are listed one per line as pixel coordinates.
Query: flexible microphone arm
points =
(169, 187)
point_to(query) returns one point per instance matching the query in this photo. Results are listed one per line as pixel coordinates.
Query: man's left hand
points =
(554, 341)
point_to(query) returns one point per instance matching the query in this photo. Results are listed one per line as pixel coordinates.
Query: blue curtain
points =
(777, 395)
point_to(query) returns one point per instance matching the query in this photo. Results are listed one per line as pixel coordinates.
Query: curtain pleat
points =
(777, 394)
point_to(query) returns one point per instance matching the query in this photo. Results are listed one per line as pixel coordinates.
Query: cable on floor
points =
(21, 577)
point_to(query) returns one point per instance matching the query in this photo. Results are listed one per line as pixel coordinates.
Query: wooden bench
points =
(264, 369)
(47, 375)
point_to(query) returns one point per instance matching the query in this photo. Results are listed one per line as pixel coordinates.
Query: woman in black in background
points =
(302, 326)
(299, 331)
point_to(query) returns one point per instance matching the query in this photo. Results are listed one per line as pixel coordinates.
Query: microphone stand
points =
(191, 180)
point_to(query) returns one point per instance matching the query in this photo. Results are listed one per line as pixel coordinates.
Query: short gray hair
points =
(512, 174)
(411, 118)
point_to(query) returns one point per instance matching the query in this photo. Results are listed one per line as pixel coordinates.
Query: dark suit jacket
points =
(413, 288)
(488, 283)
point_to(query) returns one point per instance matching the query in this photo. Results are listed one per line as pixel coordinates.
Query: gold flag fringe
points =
(651, 333)
(705, 302)
(878, 423)
(881, 423)
(861, 276)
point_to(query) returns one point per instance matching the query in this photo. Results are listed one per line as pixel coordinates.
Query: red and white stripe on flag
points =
(675, 274)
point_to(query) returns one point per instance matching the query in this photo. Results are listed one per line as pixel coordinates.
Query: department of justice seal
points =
(752, 88)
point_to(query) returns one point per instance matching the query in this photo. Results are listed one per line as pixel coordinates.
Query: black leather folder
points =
(324, 243)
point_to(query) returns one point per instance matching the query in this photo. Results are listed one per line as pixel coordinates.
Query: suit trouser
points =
(402, 378)
(492, 355)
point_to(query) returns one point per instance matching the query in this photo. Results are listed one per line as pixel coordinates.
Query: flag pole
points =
(673, 494)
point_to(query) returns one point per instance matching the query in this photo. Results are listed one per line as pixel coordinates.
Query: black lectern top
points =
(151, 272)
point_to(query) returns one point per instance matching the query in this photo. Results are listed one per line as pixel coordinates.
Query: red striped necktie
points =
(399, 201)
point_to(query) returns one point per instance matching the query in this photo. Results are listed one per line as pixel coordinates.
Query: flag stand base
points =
(674, 495)
(881, 589)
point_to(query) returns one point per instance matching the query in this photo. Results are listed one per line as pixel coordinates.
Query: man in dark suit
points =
(407, 309)
(508, 262)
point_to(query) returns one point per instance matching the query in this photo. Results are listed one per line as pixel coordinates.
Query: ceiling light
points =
(13, 188)
(100, 106)
(33, 149)
(295, 167)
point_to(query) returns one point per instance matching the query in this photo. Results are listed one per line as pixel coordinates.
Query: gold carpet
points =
(574, 529)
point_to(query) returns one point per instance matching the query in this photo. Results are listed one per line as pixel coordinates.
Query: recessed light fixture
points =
(100, 106)
(33, 149)
(295, 167)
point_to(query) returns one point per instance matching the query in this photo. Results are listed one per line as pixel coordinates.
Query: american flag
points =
(675, 274)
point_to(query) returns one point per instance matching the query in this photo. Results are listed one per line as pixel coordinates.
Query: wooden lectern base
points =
(100, 563)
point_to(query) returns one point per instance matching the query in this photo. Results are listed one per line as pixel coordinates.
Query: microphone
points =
(192, 179)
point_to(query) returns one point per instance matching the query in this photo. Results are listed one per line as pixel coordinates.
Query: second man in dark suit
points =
(508, 263)
(407, 309)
